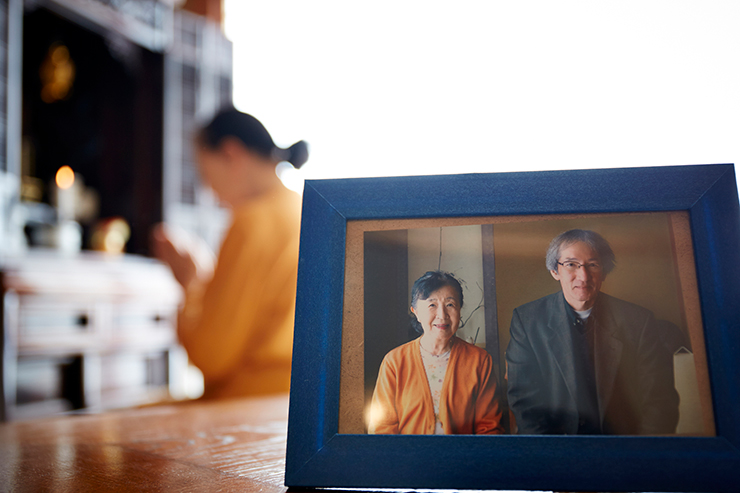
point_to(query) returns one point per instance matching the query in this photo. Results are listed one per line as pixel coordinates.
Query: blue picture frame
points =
(318, 456)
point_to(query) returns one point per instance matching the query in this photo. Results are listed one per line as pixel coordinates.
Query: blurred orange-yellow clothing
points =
(402, 402)
(238, 328)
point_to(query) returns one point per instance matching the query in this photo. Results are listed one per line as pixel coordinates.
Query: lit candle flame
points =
(65, 177)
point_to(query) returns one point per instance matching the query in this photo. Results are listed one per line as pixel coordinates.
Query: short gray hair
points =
(591, 238)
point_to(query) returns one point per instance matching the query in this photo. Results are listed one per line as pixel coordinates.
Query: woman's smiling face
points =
(439, 314)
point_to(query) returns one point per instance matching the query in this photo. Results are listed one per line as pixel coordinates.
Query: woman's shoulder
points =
(273, 215)
(470, 350)
(278, 202)
(403, 351)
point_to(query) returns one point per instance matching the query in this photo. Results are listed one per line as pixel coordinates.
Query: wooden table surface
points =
(235, 445)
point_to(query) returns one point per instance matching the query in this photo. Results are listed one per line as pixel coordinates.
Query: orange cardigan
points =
(402, 401)
(238, 329)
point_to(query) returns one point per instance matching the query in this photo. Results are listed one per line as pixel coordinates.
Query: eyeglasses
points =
(574, 266)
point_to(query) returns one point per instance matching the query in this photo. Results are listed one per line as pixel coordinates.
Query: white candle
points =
(65, 200)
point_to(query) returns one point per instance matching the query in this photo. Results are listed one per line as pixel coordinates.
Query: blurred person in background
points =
(236, 322)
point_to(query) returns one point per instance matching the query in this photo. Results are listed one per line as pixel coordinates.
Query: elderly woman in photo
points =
(437, 383)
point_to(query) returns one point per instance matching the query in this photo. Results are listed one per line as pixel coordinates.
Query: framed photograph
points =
(366, 247)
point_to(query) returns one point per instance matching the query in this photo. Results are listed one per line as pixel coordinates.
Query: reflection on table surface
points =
(230, 445)
(234, 445)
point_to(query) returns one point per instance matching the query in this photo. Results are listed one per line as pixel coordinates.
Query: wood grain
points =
(234, 445)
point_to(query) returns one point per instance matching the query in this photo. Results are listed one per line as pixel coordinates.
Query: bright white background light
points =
(399, 87)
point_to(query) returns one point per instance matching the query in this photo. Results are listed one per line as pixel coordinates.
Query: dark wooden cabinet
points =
(197, 74)
(86, 331)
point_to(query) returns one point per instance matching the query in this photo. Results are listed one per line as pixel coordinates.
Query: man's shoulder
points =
(619, 307)
(539, 305)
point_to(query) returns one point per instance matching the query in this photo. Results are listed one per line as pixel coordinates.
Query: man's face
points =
(581, 276)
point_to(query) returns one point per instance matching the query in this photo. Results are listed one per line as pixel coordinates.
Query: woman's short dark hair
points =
(427, 284)
(594, 240)
(230, 122)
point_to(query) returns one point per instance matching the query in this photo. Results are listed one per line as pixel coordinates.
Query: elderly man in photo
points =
(583, 362)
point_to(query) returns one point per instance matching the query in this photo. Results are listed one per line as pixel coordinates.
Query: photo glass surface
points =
(500, 262)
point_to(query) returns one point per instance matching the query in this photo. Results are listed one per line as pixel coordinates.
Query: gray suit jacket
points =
(634, 372)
